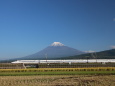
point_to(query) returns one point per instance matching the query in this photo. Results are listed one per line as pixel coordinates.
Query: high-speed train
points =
(66, 61)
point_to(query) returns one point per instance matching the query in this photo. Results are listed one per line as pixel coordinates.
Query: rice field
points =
(81, 76)
(58, 80)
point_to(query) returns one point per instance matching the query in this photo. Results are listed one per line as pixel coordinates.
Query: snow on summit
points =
(57, 44)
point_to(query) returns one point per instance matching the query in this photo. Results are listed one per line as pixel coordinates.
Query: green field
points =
(59, 73)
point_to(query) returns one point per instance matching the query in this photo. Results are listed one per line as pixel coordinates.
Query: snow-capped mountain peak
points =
(57, 44)
(54, 51)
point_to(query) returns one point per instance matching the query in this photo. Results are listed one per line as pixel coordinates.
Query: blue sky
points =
(28, 26)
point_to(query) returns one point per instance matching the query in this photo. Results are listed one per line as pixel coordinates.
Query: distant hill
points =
(107, 54)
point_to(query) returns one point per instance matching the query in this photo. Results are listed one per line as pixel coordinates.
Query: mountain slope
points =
(53, 51)
(107, 54)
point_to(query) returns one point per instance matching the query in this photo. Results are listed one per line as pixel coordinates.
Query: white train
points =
(66, 61)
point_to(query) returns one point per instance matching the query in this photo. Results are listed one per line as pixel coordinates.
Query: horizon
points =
(30, 26)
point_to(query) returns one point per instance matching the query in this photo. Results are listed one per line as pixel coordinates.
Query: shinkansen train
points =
(66, 61)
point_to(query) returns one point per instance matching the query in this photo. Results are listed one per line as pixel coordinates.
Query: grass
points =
(58, 73)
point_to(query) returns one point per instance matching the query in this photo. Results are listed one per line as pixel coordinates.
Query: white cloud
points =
(90, 51)
(113, 47)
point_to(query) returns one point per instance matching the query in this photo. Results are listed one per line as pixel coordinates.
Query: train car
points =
(66, 61)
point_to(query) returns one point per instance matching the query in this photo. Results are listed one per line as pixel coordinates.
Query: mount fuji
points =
(55, 50)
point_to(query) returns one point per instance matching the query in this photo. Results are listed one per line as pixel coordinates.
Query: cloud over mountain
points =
(90, 51)
(113, 47)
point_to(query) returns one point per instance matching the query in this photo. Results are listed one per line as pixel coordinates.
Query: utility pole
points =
(46, 58)
(87, 58)
(96, 57)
